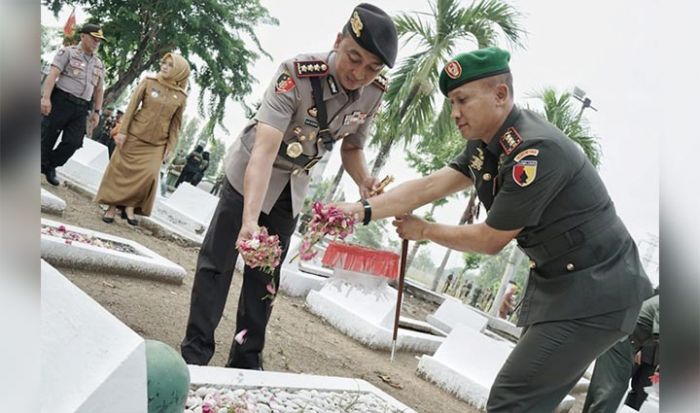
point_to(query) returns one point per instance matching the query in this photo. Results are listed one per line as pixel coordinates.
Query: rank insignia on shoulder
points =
(284, 83)
(311, 68)
(60, 52)
(524, 172)
(510, 140)
(381, 82)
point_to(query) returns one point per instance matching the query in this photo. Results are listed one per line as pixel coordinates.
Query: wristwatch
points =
(98, 111)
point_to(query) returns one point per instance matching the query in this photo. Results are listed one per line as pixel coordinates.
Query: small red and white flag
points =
(70, 24)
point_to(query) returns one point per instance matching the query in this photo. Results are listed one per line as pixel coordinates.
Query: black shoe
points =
(107, 219)
(131, 221)
(51, 177)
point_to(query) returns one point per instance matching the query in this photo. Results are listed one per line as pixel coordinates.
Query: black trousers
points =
(550, 358)
(186, 175)
(212, 281)
(68, 117)
(640, 379)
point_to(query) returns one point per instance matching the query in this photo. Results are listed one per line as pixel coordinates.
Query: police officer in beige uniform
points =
(74, 84)
(586, 283)
(316, 101)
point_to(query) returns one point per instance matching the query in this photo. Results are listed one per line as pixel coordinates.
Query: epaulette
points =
(381, 82)
(311, 68)
(510, 140)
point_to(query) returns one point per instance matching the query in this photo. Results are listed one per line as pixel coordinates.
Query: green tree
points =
(208, 33)
(560, 110)
(409, 108)
(217, 150)
(189, 129)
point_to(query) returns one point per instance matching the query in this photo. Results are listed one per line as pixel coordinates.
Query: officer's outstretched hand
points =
(370, 184)
(45, 106)
(353, 208)
(410, 227)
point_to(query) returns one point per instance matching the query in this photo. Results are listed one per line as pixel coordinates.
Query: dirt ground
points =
(158, 311)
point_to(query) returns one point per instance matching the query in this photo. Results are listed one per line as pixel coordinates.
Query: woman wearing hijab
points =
(148, 134)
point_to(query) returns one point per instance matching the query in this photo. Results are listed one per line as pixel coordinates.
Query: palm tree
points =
(560, 110)
(409, 107)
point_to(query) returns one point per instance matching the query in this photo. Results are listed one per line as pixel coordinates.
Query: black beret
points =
(374, 30)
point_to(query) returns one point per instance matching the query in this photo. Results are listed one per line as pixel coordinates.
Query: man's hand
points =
(247, 231)
(166, 153)
(94, 120)
(410, 227)
(638, 358)
(367, 186)
(45, 106)
(119, 139)
(354, 208)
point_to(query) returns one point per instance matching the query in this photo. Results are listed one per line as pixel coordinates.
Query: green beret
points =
(467, 67)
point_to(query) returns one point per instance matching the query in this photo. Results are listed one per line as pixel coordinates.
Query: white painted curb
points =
(238, 378)
(51, 204)
(145, 263)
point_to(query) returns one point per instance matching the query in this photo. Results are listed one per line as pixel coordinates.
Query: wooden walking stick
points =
(402, 274)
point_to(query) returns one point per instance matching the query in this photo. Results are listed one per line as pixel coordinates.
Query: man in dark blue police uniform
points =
(74, 84)
(586, 285)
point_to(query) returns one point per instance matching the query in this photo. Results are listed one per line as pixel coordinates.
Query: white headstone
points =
(91, 361)
(452, 312)
(366, 312)
(194, 202)
(467, 363)
(87, 165)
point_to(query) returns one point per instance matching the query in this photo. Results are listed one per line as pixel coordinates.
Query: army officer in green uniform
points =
(315, 101)
(586, 285)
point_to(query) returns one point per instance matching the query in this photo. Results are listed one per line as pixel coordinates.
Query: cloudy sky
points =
(603, 47)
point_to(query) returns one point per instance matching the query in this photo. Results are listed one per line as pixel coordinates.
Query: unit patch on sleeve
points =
(510, 140)
(284, 83)
(311, 68)
(524, 172)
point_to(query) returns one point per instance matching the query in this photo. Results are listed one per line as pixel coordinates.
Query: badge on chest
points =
(155, 92)
(353, 118)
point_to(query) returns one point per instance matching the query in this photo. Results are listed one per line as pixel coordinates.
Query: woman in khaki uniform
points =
(148, 134)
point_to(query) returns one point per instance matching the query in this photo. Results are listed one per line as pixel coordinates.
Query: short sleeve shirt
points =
(80, 73)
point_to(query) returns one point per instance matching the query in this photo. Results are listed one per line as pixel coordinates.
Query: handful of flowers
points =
(261, 250)
(326, 220)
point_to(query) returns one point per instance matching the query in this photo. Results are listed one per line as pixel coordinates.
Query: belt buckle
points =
(311, 164)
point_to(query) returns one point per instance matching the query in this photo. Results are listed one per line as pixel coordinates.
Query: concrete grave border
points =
(52, 204)
(238, 378)
(145, 263)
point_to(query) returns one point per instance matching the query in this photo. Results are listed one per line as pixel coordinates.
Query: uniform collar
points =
(494, 147)
(333, 77)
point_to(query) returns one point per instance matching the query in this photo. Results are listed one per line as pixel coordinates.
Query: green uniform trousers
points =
(610, 378)
(551, 357)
